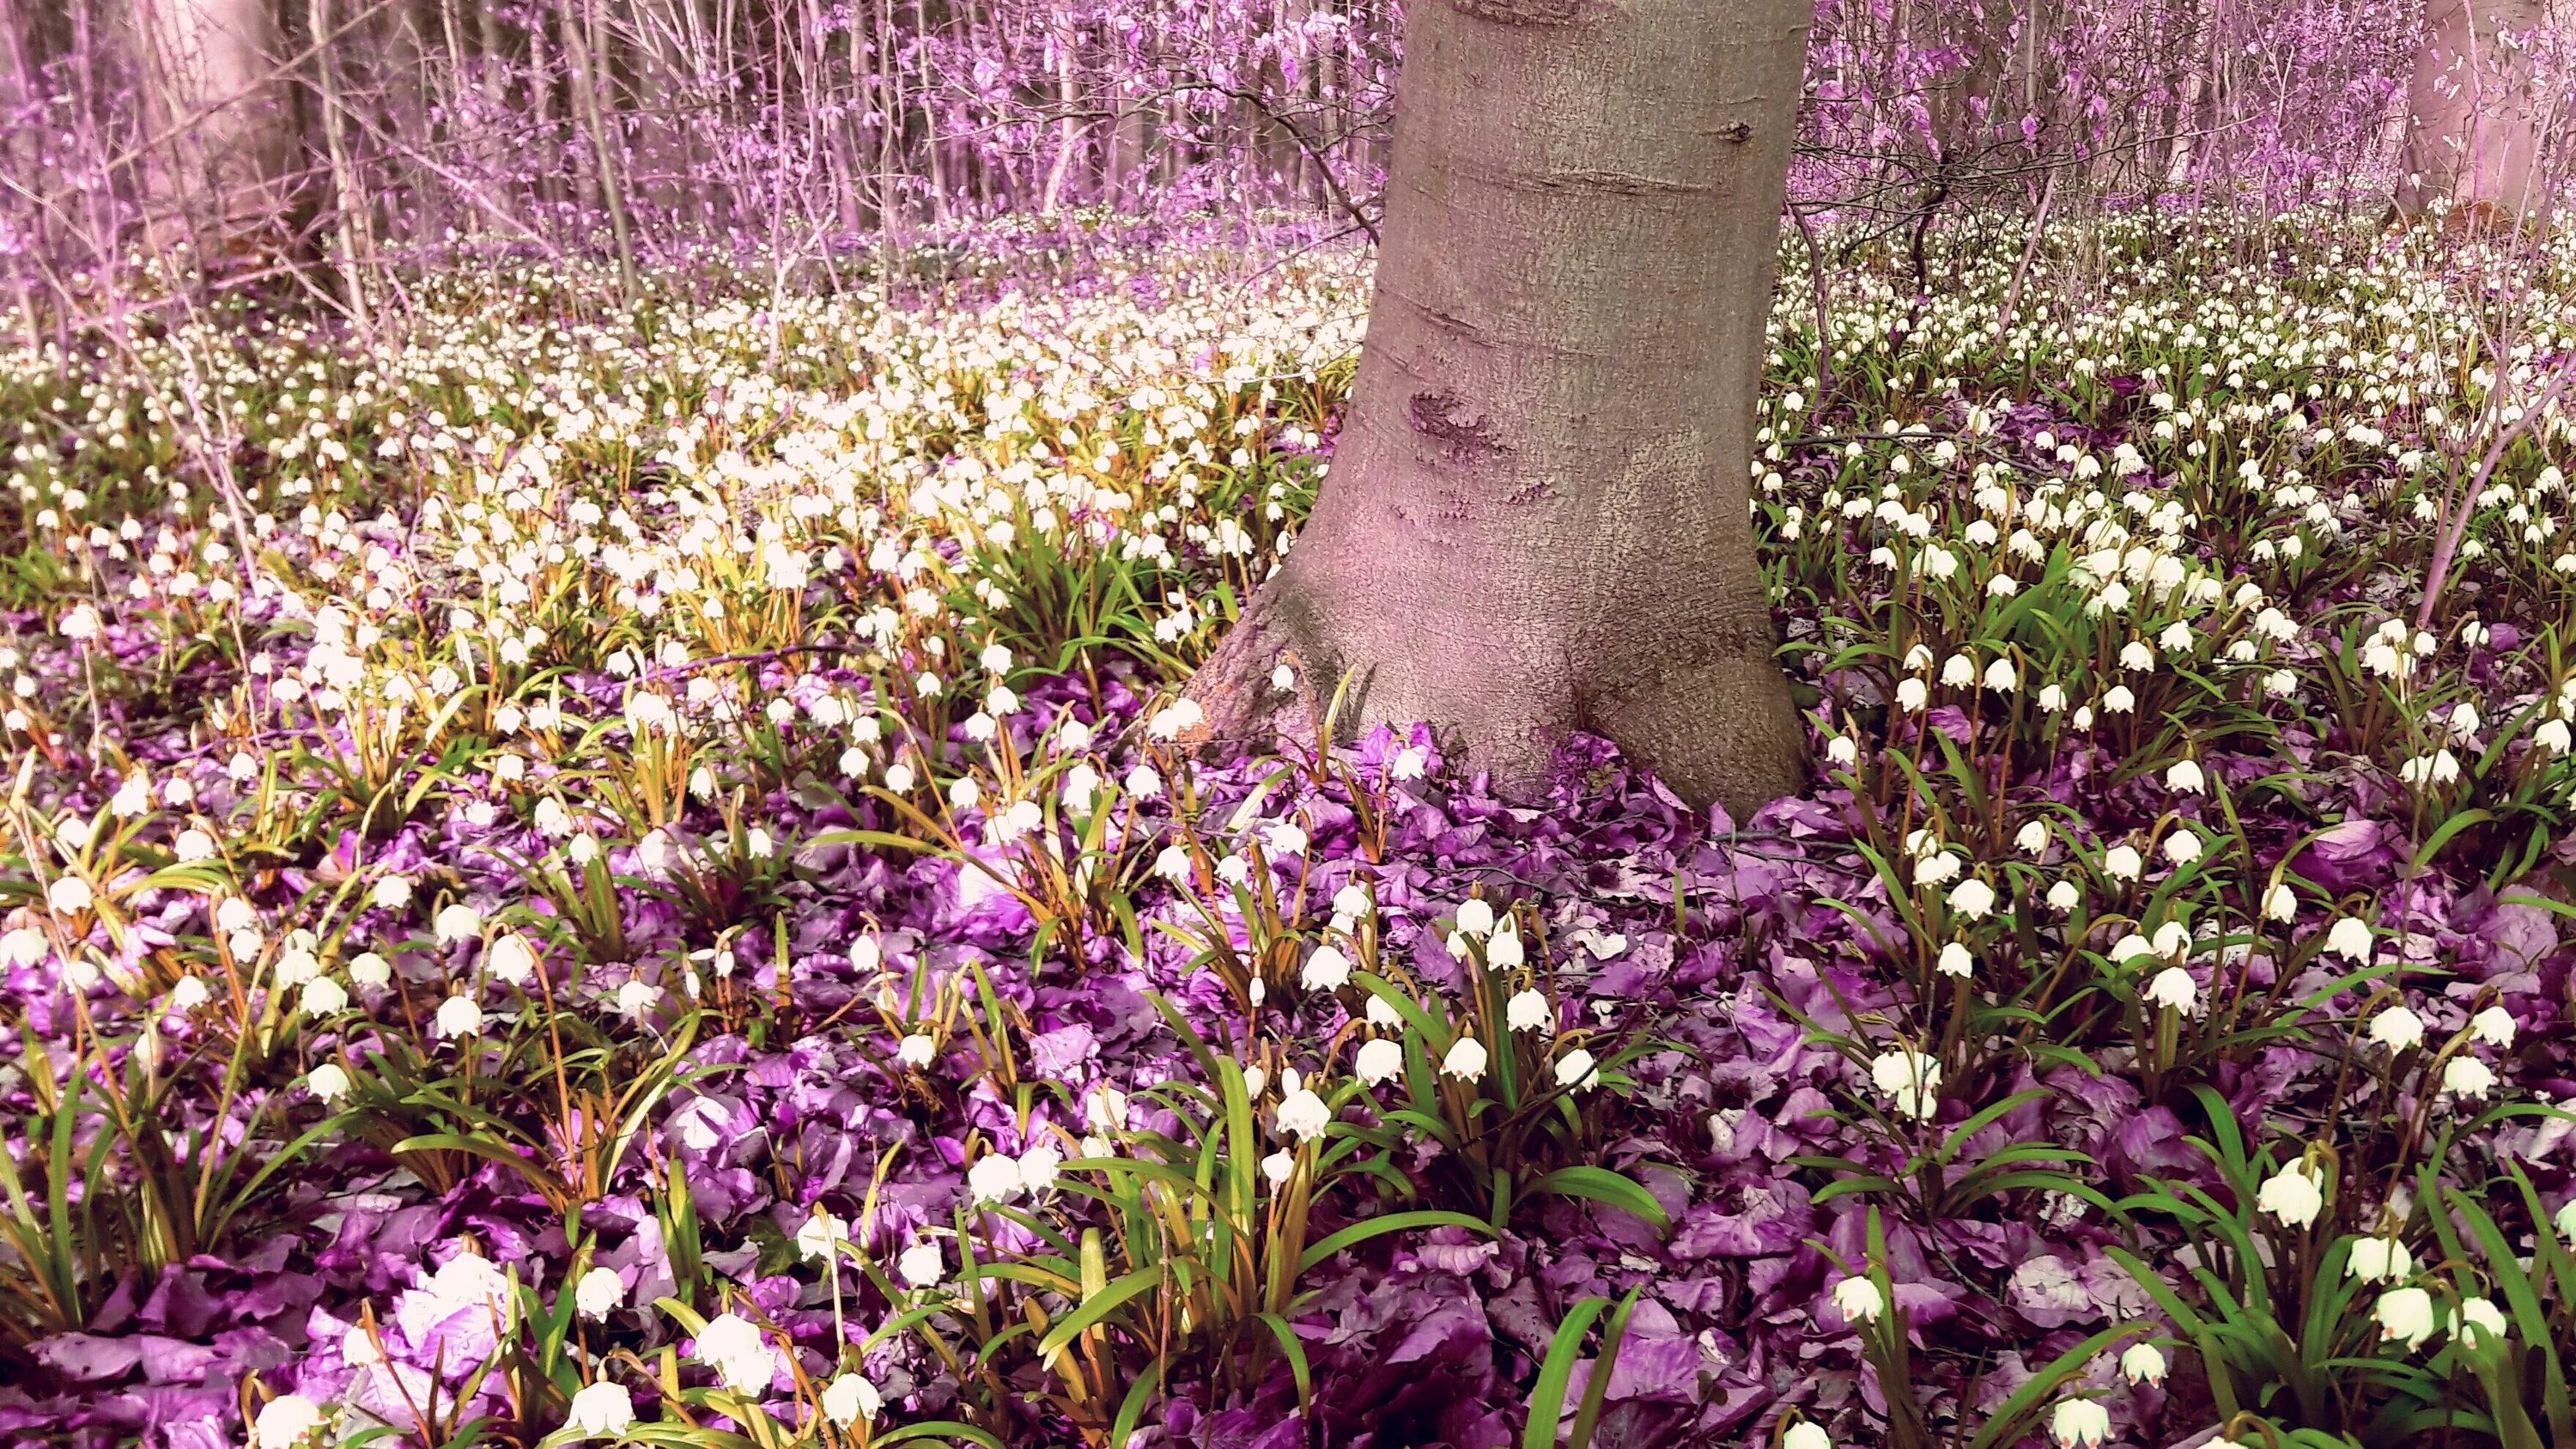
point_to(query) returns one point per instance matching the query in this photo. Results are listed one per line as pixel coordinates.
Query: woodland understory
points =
(676, 838)
(604, 838)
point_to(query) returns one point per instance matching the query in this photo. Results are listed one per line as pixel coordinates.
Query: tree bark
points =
(213, 91)
(2473, 119)
(1538, 517)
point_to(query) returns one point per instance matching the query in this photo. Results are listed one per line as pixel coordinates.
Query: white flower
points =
(1575, 1069)
(850, 1398)
(1910, 1079)
(2468, 1077)
(2378, 1260)
(1999, 675)
(2033, 839)
(1973, 898)
(1526, 1011)
(2350, 939)
(369, 969)
(2079, 1424)
(2293, 1195)
(2494, 1026)
(458, 1016)
(1303, 1115)
(635, 998)
(1842, 751)
(328, 1083)
(602, 1411)
(599, 1293)
(1912, 695)
(1104, 1109)
(1806, 1434)
(457, 922)
(1378, 1059)
(732, 1345)
(1858, 1300)
(70, 895)
(284, 1421)
(2064, 897)
(817, 1235)
(2122, 862)
(393, 892)
(511, 959)
(2182, 847)
(1169, 722)
(1956, 961)
(2173, 987)
(1038, 1166)
(922, 1265)
(2281, 903)
(993, 1178)
(1475, 916)
(2477, 1321)
(2185, 778)
(189, 994)
(323, 996)
(2552, 736)
(2405, 1314)
(1326, 970)
(2397, 1028)
(1465, 1060)
(916, 1051)
(2144, 1363)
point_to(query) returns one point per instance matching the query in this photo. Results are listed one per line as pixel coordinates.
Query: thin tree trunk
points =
(588, 115)
(541, 101)
(1068, 130)
(346, 223)
(221, 175)
(2472, 140)
(1537, 519)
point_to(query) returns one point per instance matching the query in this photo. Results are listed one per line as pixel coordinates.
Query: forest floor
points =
(641, 887)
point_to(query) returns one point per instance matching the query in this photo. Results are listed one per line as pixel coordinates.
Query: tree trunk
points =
(590, 121)
(222, 109)
(348, 217)
(1537, 519)
(2472, 134)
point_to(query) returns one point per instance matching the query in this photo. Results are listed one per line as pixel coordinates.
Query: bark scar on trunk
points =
(1440, 417)
(1614, 183)
(1524, 12)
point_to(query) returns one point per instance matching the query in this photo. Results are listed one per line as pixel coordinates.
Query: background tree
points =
(1537, 516)
(218, 136)
(2474, 114)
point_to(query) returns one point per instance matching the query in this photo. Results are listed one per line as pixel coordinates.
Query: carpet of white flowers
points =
(621, 872)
